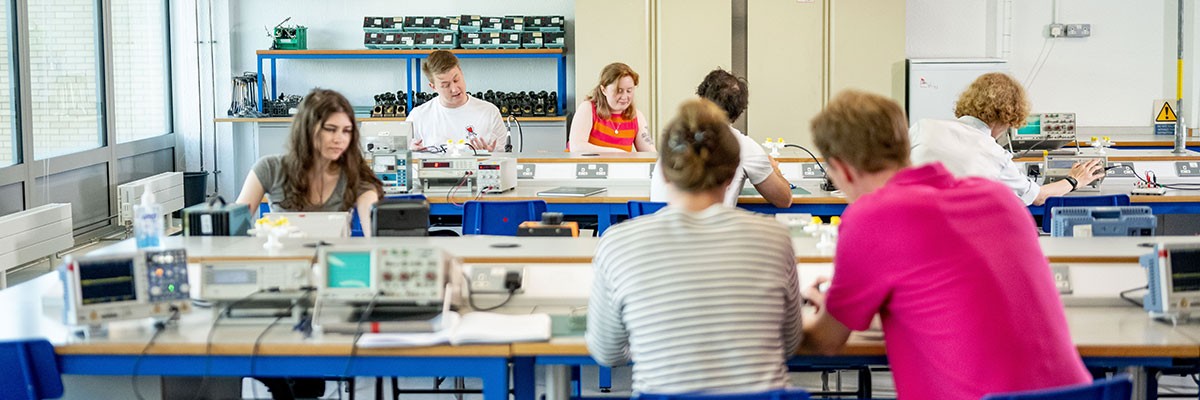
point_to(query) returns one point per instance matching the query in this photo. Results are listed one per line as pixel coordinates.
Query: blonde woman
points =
(992, 105)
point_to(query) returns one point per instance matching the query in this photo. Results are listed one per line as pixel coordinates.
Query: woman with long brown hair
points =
(608, 121)
(323, 169)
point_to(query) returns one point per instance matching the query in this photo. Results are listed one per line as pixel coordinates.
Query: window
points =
(8, 139)
(140, 73)
(64, 75)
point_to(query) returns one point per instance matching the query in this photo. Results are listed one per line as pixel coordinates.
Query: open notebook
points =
(471, 328)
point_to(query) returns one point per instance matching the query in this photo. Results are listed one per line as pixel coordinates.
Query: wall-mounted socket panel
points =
(490, 278)
(1079, 30)
(1121, 169)
(811, 171)
(591, 171)
(526, 171)
(1062, 278)
(1184, 169)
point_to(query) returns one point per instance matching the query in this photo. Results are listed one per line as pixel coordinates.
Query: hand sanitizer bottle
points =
(148, 222)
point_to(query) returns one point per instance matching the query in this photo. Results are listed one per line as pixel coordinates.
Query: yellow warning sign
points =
(1166, 114)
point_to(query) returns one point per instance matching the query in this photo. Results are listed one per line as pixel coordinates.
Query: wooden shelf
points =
(379, 52)
(289, 119)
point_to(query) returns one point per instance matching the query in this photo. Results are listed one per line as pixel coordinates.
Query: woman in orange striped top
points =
(608, 121)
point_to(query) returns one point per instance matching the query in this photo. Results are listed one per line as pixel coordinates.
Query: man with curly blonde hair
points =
(992, 105)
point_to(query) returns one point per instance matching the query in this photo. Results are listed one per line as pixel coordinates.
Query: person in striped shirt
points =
(701, 297)
(608, 121)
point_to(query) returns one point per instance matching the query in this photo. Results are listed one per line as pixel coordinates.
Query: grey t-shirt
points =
(269, 171)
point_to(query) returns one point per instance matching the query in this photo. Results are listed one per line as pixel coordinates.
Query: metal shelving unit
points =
(412, 62)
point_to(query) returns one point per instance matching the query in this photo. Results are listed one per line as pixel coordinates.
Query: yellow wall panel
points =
(784, 67)
(612, 31)
(867, 51)
(694, 37)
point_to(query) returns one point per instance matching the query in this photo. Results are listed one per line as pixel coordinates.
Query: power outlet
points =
(1121, 170)
(1184, 169)
(810, 170)
(591, 171)
(490, 278)
(1056, 30)
(1079, 30)
(1062, 278)
(526, 171)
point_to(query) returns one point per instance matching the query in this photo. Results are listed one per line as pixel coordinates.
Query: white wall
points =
(1109, 79)
(239, 27)
(338, 25)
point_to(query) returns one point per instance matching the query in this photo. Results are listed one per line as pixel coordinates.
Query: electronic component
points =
(497, 175)
(229, 281)
(385, 146)
(1102, 221)
(1059, 167)
(99, 289)
(551, 225)
(451, 173)
(401, 217)
(1048, 131)
(390, 275)
(209, 219)
(1173, 280)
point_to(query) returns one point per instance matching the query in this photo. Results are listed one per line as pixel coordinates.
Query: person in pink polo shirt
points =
(964, 314)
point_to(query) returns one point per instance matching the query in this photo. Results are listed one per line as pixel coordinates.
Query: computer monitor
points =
(1173, 278)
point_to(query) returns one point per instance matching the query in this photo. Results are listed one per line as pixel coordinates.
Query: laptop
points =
(317, 224)
(571, 191)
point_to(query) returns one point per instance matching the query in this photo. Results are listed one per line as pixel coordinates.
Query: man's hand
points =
(1087, 172)
(813, 294)
(416, 145)
(480, 144)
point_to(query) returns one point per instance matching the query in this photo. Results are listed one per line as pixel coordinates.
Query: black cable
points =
(208, 341)
(1132, 301)
(810, 154)
(473, 151)
(1173, 186)
(258, 340)
(520, 135)
(358, 332)
(159, 327)
(471, 297)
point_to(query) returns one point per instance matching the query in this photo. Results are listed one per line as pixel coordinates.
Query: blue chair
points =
(30, 370)
(639, 208)
(499, 217)
(1079, 201)
(778, 394)
(1116, 388)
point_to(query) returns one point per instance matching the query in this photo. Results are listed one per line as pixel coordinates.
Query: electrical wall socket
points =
(1121, 170)
(1079, 30)
(1062, 278)
(1184, 169)
(526, 171)
(591, 171)
(490, 278)
(1056, 30)
(810, 170)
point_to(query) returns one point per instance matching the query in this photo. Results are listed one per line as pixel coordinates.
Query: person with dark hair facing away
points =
(454, 114)
(700, 296)
(962, 317)
(729, 92)
(608, 121)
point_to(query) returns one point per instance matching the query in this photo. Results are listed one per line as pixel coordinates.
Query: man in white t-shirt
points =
(454, 114)
(730, 93)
